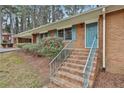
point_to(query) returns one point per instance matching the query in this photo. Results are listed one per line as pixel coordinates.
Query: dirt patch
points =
(20, 70)
(40, 64)
(109, 80)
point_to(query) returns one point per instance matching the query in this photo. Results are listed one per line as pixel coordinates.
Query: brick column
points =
(16, 40)
(34, 36)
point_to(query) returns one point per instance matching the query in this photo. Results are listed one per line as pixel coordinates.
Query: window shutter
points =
(56, 33)
(48, 34)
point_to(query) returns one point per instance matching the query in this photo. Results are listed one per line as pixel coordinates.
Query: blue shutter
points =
(48, 34)
(73, 32)
(56, 34)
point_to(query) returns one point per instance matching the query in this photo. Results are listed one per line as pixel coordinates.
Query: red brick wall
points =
(80, 36)
(100, 49)
(52, 33)
(115, 42)
(6, 37)
(34, 36)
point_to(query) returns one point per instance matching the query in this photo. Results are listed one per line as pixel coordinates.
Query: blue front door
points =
(91, 33)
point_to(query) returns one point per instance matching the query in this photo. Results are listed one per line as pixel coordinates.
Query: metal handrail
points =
(88, 56)
(60, 52)
(59, 59)
(85, 82)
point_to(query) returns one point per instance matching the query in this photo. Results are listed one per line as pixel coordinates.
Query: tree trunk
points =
(0, 26)
(28, 24)
(16, 25)
(11, 26)
(53, 13)
(24, 22)
(21, 27)
(34, 17)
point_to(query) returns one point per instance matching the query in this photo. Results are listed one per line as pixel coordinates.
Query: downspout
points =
(104, 29)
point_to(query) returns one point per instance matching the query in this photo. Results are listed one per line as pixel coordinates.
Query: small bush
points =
(49, 47)
(20, 45)
(32, 48)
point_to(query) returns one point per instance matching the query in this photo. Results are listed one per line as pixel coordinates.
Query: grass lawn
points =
(15, 71)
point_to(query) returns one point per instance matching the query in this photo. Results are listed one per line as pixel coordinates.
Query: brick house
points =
(106, 24)
(6, 37)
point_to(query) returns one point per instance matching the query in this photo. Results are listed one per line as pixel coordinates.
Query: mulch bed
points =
(109, 80)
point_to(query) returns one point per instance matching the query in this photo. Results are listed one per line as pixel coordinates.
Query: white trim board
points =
(91, 21)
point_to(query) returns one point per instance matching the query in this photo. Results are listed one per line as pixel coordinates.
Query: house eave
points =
(76, 19)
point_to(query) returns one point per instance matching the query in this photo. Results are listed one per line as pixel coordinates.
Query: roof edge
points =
(67, 18)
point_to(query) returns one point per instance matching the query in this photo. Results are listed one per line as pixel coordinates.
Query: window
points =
(61, 33)
(68, 34)
(41, 36)
(45, 34)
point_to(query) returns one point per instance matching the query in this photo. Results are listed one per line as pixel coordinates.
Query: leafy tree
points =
(16, 19)
(73, 9)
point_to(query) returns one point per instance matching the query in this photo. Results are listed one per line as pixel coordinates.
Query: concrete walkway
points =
(2, 50)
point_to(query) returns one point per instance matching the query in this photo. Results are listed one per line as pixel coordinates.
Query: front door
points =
(91, 33)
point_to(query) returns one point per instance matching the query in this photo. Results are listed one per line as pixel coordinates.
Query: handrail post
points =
(50, 72)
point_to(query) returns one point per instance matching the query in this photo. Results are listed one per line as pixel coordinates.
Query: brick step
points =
(52, 85)
(61, 83)
(72, 71)
(80, 53)
(58, 83)
(78, 57)
(83, 51)
(73, 65)
(70, 77)
(72, 60)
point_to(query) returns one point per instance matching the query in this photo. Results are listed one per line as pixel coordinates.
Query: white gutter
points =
(104, 29)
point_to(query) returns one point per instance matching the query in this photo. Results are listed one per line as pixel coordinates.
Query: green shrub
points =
(32, 48)
(49, 47)
(20, 45)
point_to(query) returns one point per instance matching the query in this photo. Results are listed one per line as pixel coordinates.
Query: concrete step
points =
(70, 77)
(72, 71)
